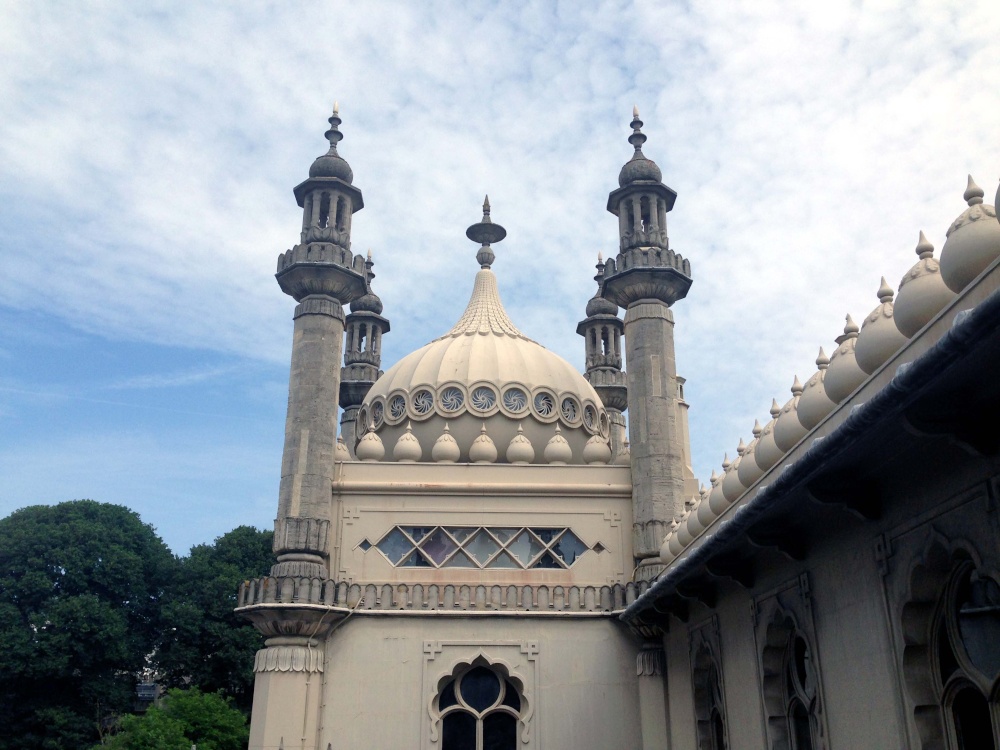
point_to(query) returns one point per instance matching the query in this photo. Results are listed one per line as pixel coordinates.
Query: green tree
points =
(205, 643)
(80, 593)
(185, 717)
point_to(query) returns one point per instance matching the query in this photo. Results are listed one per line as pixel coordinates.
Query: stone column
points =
(288, 680)
(349, 427)
(654, 431)
(652, 698)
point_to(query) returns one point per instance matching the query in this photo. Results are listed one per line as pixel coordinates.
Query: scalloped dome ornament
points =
(879, 338)
(922, 292)
(814, 404)
(788, 430)
(485, 369)
(445, 450)
(843, 374)
(973, 241)
(557, 450)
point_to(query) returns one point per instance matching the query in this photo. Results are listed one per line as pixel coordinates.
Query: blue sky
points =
(148, 152)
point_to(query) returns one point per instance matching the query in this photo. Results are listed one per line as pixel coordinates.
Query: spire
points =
(885, 293)
(924, 248)
(973, 193)
(486, 232)
(333, 134)
(638, 137)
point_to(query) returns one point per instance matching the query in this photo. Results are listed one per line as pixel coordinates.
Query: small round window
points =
(515, 400)
(423, 402)
(590, 417)
(452, 399)
(397, 407)
(378, 412)
(570, 410)
(545, 405)
(483, 398)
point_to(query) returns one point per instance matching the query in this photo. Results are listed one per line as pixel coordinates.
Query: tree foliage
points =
(184, 718)
(81, 585)
(205, 643)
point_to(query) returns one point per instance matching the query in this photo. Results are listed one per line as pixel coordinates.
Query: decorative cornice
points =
(319, 305)
(288, 659)
(650, 662)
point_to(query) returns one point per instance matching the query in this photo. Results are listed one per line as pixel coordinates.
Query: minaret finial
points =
(637, 138)
(333, 134)
(924, 248)
(484, 233)
(973, 193)
(336, 106)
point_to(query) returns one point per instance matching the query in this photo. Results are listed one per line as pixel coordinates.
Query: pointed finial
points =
(797, 387)
(600, 257)
(446, 427)
(973, 193)
(775, 408)
(822, 361)
(757, 429)
(486, 208)
(924, 248)
(726, 463)
(850, 327)
(741, 448)
(635, 111)
(369, 255)
(884, 292)
(336, 107)
(637, 138)
(484, 233)
(714, 478)
(333, 134)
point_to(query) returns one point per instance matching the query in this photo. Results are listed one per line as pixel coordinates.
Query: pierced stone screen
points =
(511, 547)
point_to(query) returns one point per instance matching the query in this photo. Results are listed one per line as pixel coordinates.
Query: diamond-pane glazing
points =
(482, 547)
(525, 548)
(569, 547)
(394, 545)
(438, 546)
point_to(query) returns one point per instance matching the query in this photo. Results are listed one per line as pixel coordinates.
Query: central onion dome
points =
(484, 374)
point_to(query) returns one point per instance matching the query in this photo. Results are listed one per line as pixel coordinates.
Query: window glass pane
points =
(461, 560)
(510, 697)
(458, 731)
(979, 624)
(546, 535)
(547, 561)
(461, 533)
(568, 548)
(480, 688)
(972, 721)
(503, 560)
(394, 545)
(504, 535)
(525, 547)
(438, 546)
(482, 546)
(417, 533)
(499, 732)
(415, 560)
(447, 697)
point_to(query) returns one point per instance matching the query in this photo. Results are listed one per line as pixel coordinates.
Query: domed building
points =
(485, 555)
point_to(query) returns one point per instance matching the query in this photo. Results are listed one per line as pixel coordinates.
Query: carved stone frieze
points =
(295, 534)
(288, 659)
(650, 662)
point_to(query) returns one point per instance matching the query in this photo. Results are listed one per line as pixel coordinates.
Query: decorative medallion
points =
(515, 400)
(423, 402)
(545, 405)
(570, 410)
(483, 398)
(397, 407)
(452, 399)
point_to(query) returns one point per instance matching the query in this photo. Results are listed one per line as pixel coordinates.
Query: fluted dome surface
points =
(485, 371)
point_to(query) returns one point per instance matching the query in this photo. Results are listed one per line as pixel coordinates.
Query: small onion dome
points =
(788, 430)
(638, 168)
(483, 451)
(598, 305)
(814, 404)
(597, 451)
(370, 448)
(843, 375)
(331, 164)
(340, 452)
(684, 536)
(732, 487)
(716, 498)
(922, 292)
(520, 451)
(749, 471)
(879, 338)
(557, 450)
(694, 523)
(446, 450)
(367, 303)
(624, 457)
(973, 241)
(407, 448)
(705, 513)
(671, 547)
(766, 453)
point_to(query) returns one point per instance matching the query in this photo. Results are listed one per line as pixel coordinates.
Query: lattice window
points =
(515, 548)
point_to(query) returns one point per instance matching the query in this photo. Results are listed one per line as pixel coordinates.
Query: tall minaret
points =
(322, 276)
(602, 332)
(646, 278)
(362, 358)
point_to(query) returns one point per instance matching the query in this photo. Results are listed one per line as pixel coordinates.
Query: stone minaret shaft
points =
(646, 278)
(321, 275)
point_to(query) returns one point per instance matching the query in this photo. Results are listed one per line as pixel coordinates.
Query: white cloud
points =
(147, 156)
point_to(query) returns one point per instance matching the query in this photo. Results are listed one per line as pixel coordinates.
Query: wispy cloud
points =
(147, 156)
(170, 379)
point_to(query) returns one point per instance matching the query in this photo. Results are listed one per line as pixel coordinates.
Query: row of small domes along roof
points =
(972, 244)
(482, 451)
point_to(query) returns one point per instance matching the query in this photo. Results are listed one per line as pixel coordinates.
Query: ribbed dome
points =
(485, 372)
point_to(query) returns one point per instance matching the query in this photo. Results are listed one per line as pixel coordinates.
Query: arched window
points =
(800, 694)
(968, 659)
(709, 706)
(479, 710)
(324, 210)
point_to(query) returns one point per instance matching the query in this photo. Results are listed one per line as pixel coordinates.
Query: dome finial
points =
(486, 232)
(973, 193)
(637, 138)
(333, 134)
(885, 293)
(924, 248)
